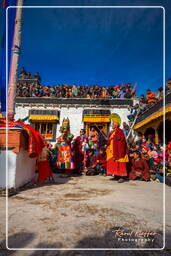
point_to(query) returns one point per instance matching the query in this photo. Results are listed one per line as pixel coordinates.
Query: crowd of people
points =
(27, 89)
(30, 86)
(147, 101)
(154, 157)
(110, 155)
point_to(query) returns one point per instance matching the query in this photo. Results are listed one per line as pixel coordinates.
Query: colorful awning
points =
(96, 119)
(96, 116)
(43, 117)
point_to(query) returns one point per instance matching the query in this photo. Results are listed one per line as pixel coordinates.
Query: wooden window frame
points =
(49, 137)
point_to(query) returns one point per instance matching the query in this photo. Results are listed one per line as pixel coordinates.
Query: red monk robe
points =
(80, 145)
(117, 153)
(140, 168)
(44, 169)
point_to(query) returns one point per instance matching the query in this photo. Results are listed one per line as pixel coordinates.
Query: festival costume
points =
(64, 160)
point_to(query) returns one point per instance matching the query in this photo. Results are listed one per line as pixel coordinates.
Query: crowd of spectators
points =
(154, 155)
(147, 101)
(25, 89)
(148, 161)
(30, 86)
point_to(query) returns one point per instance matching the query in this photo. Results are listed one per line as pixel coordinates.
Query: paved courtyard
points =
(87, 212)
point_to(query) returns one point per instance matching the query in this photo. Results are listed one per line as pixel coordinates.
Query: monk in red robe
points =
(80, 146)
(44, 169)
(117, 152)
(140, 168)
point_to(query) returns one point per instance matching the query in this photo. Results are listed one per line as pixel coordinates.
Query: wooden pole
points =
(14, 62)
(131, 127)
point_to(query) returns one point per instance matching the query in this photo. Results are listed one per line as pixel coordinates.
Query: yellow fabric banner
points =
(43, 117)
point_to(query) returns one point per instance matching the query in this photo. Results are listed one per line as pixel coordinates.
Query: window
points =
(97, 126)
(45, 129)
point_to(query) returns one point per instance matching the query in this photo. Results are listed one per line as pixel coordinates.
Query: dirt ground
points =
(87, 212)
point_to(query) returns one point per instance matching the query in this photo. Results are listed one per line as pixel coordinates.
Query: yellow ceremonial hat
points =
(115, 118)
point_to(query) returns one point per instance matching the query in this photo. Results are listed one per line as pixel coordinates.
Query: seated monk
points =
(140, 169)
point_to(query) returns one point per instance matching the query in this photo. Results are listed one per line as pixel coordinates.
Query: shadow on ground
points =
(60, 180)
(18, 240)
(23, 239)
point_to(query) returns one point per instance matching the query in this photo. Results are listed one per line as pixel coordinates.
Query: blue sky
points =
(96, 46)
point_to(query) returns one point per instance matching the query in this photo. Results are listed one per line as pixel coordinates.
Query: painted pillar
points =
(156, 136)
(155, 126)
(14, 62)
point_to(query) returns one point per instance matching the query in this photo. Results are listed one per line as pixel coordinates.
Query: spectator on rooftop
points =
(150, 97)
(128, 93)
(142, 108)
(122, 94)
(159, 94)
(168, 84)
(133, 112)
(142, 99)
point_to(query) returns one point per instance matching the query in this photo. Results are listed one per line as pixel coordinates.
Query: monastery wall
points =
(75, 114)
(21, 168)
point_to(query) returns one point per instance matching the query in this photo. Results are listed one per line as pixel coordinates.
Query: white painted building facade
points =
(21, 168)
(73, 111)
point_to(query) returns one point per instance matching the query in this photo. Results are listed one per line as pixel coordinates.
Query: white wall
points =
(122, 112)
(11, 156)
(21, 112)
(75, 117)
(25, 168)
(20, 168)
(74, 114)
(2, 169)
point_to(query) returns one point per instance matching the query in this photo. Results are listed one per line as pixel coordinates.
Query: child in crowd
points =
(101, 161)
(156, 170)
(152, 155)
(140, 168)
(43, 165)
(145, 154)
(152, 152)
